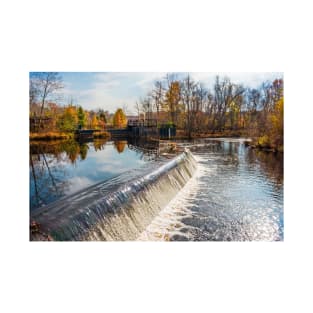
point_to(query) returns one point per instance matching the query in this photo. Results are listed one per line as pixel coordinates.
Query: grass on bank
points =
(64, 136)
(50, 136)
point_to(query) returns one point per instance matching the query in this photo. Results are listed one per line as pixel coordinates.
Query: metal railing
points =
(143, 123)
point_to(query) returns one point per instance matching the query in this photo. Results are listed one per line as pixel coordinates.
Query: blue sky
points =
(112, 90)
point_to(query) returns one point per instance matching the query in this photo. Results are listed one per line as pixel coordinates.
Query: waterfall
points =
(113, 210)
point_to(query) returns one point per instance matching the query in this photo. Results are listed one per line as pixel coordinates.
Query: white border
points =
(156, 36)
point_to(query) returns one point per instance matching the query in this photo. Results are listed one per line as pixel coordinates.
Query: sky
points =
(112, 90)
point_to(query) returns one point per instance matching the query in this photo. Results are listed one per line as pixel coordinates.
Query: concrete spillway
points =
(114, 209)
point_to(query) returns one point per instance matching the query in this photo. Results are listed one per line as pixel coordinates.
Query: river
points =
(234, 194)
(60, 168)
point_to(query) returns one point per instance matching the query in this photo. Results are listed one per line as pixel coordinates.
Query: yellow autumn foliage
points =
(274, 136)
(119, 119)
(94, 122)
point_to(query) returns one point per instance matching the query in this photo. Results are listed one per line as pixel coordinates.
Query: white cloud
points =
(248, 79)
(113, 90)
(110, 91)
(77, 183)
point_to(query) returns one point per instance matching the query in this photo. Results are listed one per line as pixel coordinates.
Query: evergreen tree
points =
(82, 121)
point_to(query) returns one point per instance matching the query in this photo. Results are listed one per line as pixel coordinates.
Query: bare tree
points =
(189, 100)
(210, 109)
(225, 94)
(45, 84)
(146, 106)
(137, 107)
(33, 92)
(157, 96)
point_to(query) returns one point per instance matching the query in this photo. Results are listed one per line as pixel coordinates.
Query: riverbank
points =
(260, 143)
(48, 136)
(264, 145)
(181, 135)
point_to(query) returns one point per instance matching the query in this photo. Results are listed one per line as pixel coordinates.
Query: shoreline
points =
(49, 136)
(253, 144)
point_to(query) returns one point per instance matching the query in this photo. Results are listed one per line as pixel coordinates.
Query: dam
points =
(117, 209)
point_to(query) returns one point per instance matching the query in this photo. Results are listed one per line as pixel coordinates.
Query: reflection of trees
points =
(46, 167)
(99, 144)
(120, 145)
(272, 164)
(147, 150)
(43, 175)
(37, 197)
(49, 171)
(72, 149)
(83, 151)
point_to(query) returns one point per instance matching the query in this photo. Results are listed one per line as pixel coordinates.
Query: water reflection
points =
(238, 194)
(271, 164)
(59, 168)
(71, 148)
(148, 150)
(120, 145)
(44, 178)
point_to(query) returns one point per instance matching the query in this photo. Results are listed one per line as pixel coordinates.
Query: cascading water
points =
(111, 210)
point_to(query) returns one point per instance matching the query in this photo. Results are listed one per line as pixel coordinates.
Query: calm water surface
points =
(61, 168)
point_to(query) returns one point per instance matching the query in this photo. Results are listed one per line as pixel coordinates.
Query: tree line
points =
(47, 115)
(227, 108)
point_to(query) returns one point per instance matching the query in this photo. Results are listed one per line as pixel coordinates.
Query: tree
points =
(33, 92)
(102, 116)
(45, 84)
(210, 110)
(82, 121)
(271, 126)
(94, 122)
(194, 99)
(137, 107)
(226, 94)
(68, 121)
(187, 93)
(102, 119)
(146, 107)
(157, 96)
(172, 100)
(88, 119)
(277, 120)
(119, 119)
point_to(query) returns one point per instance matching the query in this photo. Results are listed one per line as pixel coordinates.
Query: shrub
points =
(264, 142)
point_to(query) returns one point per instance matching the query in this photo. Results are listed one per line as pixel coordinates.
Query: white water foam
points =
(167, 223)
